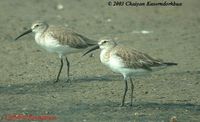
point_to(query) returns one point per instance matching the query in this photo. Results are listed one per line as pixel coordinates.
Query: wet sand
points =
(27, 72)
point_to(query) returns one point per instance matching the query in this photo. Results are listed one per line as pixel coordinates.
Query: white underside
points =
(116, 64)
(52, 45)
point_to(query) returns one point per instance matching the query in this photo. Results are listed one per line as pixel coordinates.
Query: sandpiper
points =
(128, 62)
(58, 39)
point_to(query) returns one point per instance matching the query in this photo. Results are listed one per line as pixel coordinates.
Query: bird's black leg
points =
(132, 87)
(61, 66)
(68, 66)
(125, 90)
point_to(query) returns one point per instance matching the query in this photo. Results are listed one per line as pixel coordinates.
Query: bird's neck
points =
(41, 33)
(105, 55)
(42, 30)
(39, 37)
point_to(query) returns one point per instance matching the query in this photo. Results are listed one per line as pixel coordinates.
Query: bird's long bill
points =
(94, 48)
(27, 32)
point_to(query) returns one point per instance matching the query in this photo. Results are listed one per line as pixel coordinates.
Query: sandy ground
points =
(27, 72)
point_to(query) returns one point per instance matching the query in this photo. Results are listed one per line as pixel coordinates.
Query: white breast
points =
(46, 42)
(116, 64)
(104, 57)
(112, 61)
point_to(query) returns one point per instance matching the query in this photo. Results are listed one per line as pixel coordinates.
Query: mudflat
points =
(27, 72)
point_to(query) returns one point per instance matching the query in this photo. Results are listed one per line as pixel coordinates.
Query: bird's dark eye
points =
(36, 25)
(104, 42)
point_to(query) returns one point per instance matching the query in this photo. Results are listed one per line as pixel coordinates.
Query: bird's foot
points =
(122, 105)
(68, 80)
(56, 81)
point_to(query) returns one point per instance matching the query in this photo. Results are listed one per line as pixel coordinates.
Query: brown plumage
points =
(59, 40)
(137, 60)
(128, 62)
(69, 37)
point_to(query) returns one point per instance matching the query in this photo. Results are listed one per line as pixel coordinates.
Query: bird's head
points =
(38, 26)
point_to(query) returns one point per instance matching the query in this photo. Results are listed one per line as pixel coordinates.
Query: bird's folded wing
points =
(138, 60)
(70, 38)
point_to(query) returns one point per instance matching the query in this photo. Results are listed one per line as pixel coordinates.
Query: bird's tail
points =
(170, 63)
